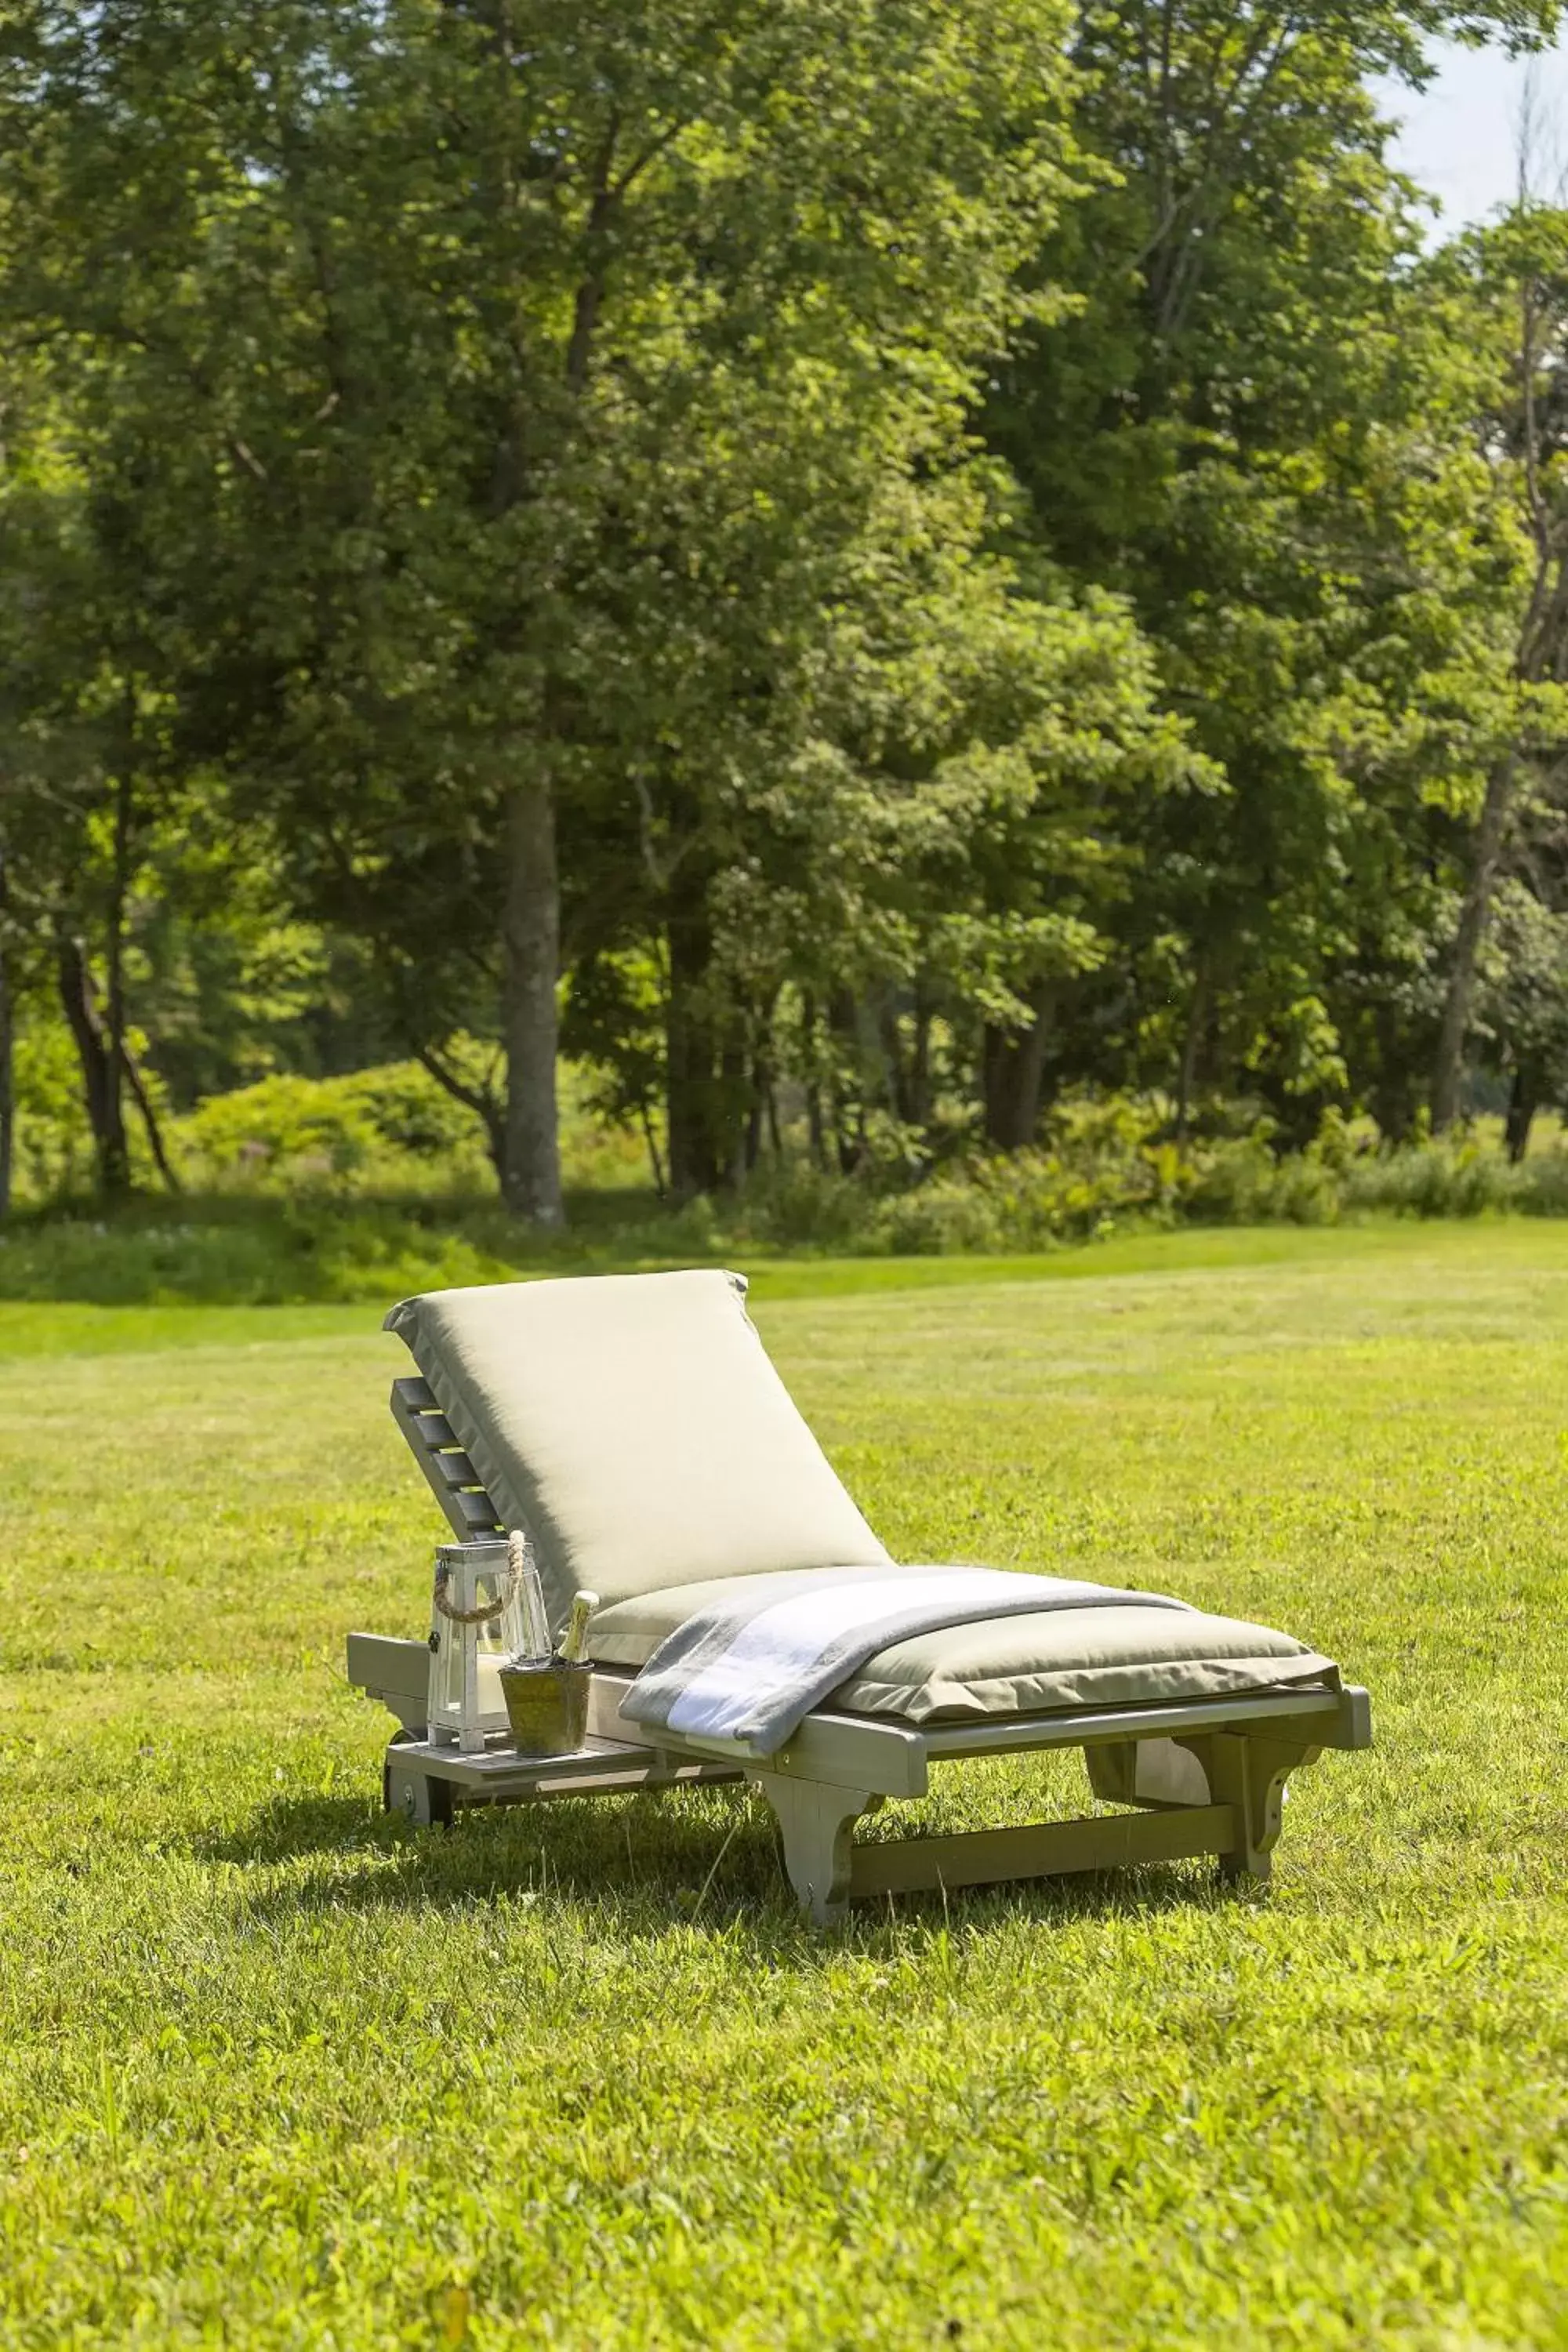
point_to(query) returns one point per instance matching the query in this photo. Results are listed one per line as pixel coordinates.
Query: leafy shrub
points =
(1238, 1182)
(802, 1206)
(1433, 1180)
(1306, 1191)
(54, 1144)
(266, 1258)
(366, 1188)
(1103, 1164)
(1542, 1190)
(942, 1219)
(410, 1111)
(279, 1133)
(392, 1129)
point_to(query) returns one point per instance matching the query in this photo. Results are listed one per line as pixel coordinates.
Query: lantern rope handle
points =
(488, 1610)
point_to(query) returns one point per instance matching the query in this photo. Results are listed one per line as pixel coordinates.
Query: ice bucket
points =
(546, 1704)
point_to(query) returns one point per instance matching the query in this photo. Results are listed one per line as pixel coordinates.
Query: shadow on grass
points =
(648, 1862)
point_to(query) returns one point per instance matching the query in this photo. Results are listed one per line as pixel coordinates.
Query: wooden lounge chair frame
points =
(1199, 1776)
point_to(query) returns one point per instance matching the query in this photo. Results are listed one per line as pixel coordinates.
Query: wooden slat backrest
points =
(453, 1480)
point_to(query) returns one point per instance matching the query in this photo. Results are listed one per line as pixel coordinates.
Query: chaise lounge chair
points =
(633, 1428)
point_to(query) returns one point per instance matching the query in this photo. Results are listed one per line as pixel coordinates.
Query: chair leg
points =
(1250, 1774)
(1222, 1768)
(817, 1822)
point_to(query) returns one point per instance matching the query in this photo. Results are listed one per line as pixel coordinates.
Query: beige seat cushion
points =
(1017, 1665)
(633, 1424)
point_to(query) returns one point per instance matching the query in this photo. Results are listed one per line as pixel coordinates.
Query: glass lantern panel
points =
(476, 1574)
(445, 1699)
(491, 1646)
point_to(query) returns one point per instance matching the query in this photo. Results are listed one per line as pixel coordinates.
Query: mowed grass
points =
(274, 2073)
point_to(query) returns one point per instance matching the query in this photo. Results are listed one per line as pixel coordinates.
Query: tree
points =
(449, 297)
(96, 782)
(497, 490)
(1516, 277)
(1249, 423)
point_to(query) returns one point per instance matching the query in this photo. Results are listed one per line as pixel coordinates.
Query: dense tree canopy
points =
(851, 564)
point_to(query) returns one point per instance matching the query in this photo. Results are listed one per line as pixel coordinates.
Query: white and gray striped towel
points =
(748, 1668)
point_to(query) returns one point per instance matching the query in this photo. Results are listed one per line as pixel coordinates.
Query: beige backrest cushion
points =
(633, 1424)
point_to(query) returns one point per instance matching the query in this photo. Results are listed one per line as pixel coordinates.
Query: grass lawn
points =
(273, 2073)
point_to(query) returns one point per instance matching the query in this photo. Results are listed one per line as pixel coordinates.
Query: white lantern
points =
(476, 1620)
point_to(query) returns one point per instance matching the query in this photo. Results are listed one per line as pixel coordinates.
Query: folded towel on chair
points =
(750, 1667)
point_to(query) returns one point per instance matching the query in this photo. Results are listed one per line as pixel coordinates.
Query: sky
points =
(1459, 137)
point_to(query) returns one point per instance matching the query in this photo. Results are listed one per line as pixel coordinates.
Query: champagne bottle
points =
(582, 1607)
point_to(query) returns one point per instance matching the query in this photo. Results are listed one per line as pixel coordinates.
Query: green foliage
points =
(308, 1201)
(1271, 426)
(388, 1131)
(286, 1133)
(518, 403)
(841, 569)
(349, 1253)
(53, 1144)
(290, 1129)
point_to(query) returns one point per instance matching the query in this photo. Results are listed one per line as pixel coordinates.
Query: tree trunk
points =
(143, 1102)
(1523, 1102)
(482, 1100)
(697, 1141)
(100, 1070)
(848, 1116)
(114, 953)
(734, 1108)
(762, 1116)
(1197, 1013)
(100, 1035)
(885, 1041)
(1473, 914)
(532, 1176)
(1398, 1082)
(7, 1077)
(645, 1115)
(755, 1115)
(921, 1102)
(817, 1140)
(7, 1058)
(1013, 1071)
(815, 1134)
